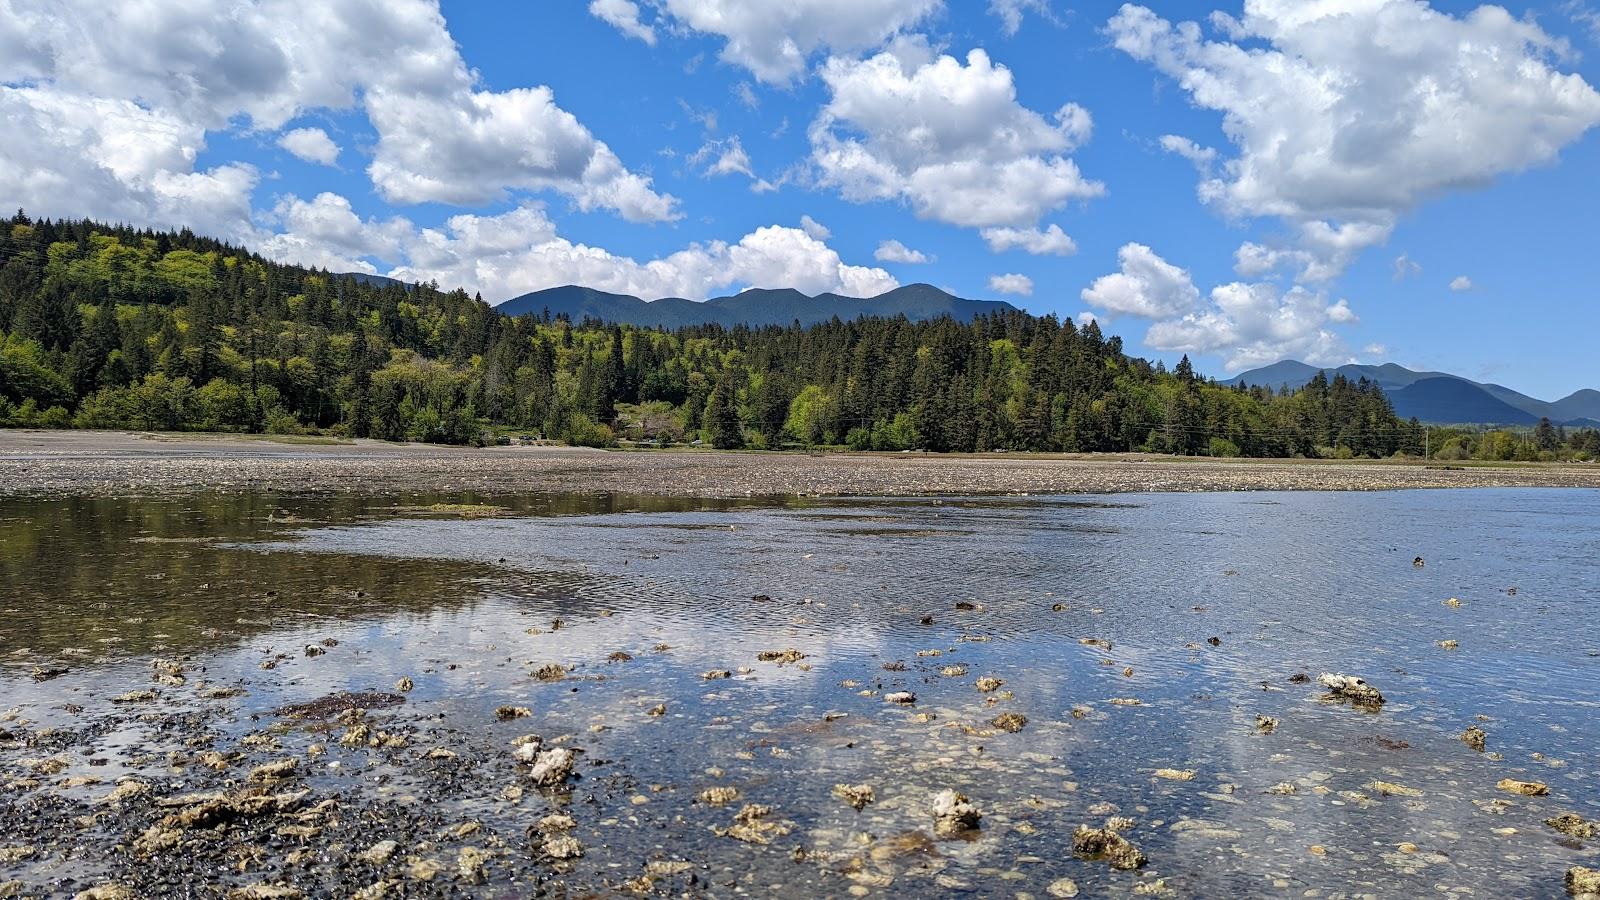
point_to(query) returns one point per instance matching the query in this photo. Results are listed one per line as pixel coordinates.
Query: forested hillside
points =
(109, 327)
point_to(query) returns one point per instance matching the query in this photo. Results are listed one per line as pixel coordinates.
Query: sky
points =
(1241, 181)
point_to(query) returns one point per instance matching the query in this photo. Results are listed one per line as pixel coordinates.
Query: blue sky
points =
(1331, 180)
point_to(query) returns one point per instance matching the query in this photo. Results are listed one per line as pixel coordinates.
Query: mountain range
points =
(1439, 397)
(755, 307)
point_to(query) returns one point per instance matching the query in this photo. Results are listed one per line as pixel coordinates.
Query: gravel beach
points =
(41, 463)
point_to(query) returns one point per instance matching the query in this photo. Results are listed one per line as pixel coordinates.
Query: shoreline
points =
(94, 463)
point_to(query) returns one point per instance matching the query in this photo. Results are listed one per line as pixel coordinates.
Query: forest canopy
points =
(111, 327)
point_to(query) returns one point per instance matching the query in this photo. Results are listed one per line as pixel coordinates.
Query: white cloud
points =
(1010, 13)
(1247, 324)
(1051, 241)
(1256, 324)
(1019, 285)
(115, 160)
(325, 232)
(814, 228)
(1346, 114)
(1202, 157)
(723, 158)
(945, 137)
(229, 65)
(1405, 267)
(624, 16)
(509, 254)
(896, 252)
(311, 145)
(1376, 350)
(1147, 286)
(1461, 284)
(774, 39)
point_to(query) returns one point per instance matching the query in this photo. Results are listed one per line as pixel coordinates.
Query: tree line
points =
(107, 326)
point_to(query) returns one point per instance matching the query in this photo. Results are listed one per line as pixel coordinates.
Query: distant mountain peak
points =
(755, 307)
(1439, 397)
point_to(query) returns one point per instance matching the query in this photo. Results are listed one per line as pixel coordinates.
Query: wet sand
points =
(41, 463)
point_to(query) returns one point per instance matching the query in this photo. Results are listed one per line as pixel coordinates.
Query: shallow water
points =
(462, 600)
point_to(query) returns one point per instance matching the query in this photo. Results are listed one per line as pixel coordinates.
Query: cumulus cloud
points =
(1257, 324)
(225, 65)
(502, 256)
(896, 252)
(74, 155)
(1018, 285)
(623, 15)
(1405, 267)
(1050, 241)
(774, 40)
(947, 138)
(1346, 115)
(1146, 286)
(311, 145)
(814, 228)
(1461, 284)
(1247, 324)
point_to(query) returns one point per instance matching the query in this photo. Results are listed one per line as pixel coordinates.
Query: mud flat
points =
(34, 463)
(1169, 694)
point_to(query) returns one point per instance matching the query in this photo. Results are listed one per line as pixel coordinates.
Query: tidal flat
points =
(266, 694)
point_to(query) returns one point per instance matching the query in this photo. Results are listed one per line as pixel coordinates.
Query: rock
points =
(1012, 722)
(1475, 738)
(1299, 678)
(781, 656)
(1103, 843)
(527, 747)
(266, 892)
(953, 671)
(719, 796)
(505, 713)
(134, 697)
(1266, 724)
(46, 674)
(563, 847)
(556, 822)
(1525, 788)
(752, 825)
(988, 684)
(1175, 774)
(1351, 688)
(378, 853)
(1062, 887)
(424, 869)
(1284, 788)
(115, 891)
(1574, 825)
(1390, 789)
(440, 753)
(314, 650)
(471, 865)
(857, 795)
(1102, 643)
(657, 711)
(1582, 882)
(904, 698)
(550, 672)
(273, 771)
(953, 814)
(1450, 645)
(552, 766)
(716, 674)
(620, 656)
(1418, 562)
(404, 685)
